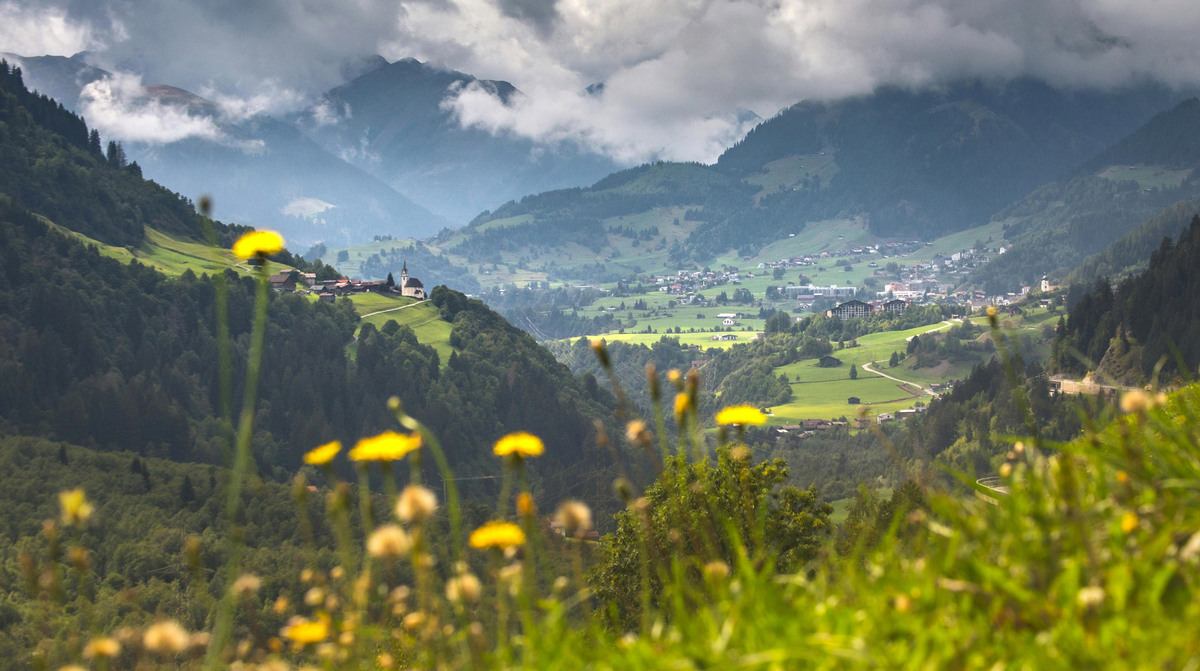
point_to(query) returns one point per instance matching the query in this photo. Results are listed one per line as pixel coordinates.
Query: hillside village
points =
(294, 281)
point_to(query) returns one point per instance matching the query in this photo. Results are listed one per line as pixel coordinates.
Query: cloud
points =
(120, 107)
(675, 72)
(36, 31)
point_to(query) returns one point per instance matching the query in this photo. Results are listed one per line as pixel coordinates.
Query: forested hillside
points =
(1146, 321)
(52, 165)
(1059, 225)
(1131, 252)
(120, 357)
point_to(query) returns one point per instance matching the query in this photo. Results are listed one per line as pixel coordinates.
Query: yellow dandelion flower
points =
(520, 444)
(1129, 522)
(683, 403)
(741, 414)
(324, 454)
(166, 637)
(307, 631)
(258, 243)
(75, 507)
(102, 647)
(499, 535)
(387, 446)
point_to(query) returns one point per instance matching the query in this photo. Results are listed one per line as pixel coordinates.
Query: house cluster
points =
(855, 308)
(688, 284)
(327, 291)
(808, 427)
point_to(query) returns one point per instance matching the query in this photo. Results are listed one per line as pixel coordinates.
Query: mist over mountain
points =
(397, 123)
(1057, 226)
(260, 171)
(925, 163)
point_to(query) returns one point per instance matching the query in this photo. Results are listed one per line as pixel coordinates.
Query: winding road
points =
(928, 392)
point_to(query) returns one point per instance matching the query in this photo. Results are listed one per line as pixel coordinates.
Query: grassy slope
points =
(171, 255)
(422, 317)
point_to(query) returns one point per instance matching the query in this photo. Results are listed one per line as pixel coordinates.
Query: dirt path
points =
(401, 307)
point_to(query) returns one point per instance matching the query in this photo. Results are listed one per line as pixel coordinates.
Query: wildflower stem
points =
(451, 488)
(223, 625)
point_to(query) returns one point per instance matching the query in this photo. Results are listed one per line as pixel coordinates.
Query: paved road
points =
(867, 367)
(928, 391)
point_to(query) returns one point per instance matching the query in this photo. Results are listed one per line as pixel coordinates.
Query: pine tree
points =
(853, 372)
(115, 154)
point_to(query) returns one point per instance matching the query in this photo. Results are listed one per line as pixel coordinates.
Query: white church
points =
(410, 286)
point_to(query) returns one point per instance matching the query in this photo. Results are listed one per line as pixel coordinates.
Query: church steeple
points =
(403, 274)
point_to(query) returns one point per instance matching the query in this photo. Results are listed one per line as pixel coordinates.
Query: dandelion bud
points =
(560, 583)
(102, 647)
(337, 573)
(511, 575)
(600, 351)
(314, 596)
(1136, 400)
(248, 583)
(465, 587)
(205, 204)
(166, 637)
(637, 433)
(715, 570)
(414, 620)
(416, 504)
(623, 489)
(676, 378)
(1089, 597)
(525, 505)
(574, 517)
(394, 405)
(652, 381)
(79, 559)
(388, 542)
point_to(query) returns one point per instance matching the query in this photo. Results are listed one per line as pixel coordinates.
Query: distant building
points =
(410, 286)
(285, 281)
(828, 362)
(894, 306)
(851, 309)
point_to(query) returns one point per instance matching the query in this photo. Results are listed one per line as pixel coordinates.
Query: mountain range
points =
(390, 160)
(392, 122)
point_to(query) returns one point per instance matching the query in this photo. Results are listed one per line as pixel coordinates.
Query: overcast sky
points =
(676, 73)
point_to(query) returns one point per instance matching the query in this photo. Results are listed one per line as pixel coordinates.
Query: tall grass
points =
(1092, 560)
